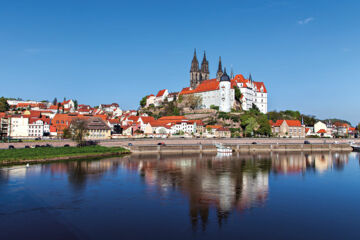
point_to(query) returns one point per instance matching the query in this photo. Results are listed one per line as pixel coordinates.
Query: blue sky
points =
(306, 52)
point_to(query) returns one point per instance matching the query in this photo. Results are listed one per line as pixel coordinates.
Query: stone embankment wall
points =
(32, 144)
(248, 148)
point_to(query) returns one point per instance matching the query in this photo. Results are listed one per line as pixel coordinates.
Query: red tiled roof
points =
(114, 121)
(307, 130)
(258, 86)
(147, 119)
(290, 123)
(293, 123)
(160, 93)
(213, 84)
(321, 131)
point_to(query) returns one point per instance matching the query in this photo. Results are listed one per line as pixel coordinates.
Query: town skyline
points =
(301, 57)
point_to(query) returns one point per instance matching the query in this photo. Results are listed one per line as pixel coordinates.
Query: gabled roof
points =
(161, 93)
(321, 131)
(290, 123)
(114, 121)
(147, 119)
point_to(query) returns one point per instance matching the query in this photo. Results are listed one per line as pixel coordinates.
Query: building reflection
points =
(208, 182)
(222, 184)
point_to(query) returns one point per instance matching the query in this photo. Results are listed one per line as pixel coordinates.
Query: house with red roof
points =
(174, 125)
(39, 126)
(288, 128)
(321, 130)
(68, 104)
(160, 97)
(150, 100)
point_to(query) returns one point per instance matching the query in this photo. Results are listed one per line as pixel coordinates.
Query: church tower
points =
(225, 93)
(205, 74)
(219, 71)
(195, 75)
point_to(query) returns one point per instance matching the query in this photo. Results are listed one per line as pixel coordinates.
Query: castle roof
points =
(225, 77)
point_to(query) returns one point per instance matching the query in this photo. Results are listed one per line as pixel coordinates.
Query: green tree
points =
(264, 126)
(143, 102)
(76, 104)
(254, 108)
(238, 94)
(214, 107)
(251, 124)
(66, 133)
(4, 106)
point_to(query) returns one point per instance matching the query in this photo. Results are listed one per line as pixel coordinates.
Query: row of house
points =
(171, 126)
(103, 122)
(295, 129)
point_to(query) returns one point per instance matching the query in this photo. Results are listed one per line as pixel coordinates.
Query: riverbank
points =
(242, 148)
(44, 154)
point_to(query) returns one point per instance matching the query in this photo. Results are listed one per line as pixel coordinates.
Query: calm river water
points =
(278, 196)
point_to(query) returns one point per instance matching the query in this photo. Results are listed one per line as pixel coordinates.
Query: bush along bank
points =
(25, 155)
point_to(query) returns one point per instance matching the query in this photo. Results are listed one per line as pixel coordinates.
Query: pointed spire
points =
(194, 63)
(250, 78)
(224, 76)
(232, 73)
(205, 67)
(220, 66)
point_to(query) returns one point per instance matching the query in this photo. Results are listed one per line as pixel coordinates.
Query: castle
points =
(219, 91)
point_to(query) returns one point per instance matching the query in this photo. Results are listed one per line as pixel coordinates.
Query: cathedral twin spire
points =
(197, 75)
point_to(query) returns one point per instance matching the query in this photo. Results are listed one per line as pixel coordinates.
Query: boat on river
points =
(355, 147)
(222, 149)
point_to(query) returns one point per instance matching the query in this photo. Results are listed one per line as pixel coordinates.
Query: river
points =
(261, 196)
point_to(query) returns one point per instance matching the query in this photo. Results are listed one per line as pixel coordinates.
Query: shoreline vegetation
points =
(33, 155)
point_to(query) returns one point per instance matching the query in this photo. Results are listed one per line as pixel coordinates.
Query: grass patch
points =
(15, 155)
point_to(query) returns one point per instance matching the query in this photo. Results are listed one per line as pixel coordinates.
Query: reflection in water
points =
(209, 182)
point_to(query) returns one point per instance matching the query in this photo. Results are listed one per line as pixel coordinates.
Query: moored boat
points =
(355, 147)
(222, 149)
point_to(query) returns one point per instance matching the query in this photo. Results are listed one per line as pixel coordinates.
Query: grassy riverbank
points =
(8, 156)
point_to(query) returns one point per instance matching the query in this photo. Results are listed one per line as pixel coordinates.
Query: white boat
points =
(222, 149)
(355, 147)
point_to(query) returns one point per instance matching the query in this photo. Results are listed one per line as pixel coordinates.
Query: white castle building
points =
(220, 91)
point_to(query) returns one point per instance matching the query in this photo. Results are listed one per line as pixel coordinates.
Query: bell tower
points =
(195, 75)
(205, 74)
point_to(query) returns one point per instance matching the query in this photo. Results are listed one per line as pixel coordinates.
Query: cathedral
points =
(219, 91)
